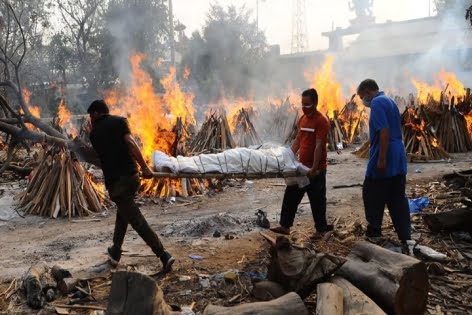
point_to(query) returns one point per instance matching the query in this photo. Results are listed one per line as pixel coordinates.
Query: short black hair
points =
(367, 84)
(312, 94)
(98, 106)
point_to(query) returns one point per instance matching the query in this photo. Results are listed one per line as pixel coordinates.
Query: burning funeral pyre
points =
(162, 122)
(449, 111)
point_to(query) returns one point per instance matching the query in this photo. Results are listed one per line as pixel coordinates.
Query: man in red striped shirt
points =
(310, 144)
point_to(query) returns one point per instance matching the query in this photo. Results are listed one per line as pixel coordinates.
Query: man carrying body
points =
(118, 152)
(310, 144)
(385, 178)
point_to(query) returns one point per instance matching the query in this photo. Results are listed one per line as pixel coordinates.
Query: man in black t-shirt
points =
(118, 152)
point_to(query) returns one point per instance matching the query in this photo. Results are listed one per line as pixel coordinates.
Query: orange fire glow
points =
(442, 79)
(151, 115)
(329, 89)
(64, 119)
(34, 110)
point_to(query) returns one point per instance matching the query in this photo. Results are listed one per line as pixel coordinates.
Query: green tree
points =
(228, 56)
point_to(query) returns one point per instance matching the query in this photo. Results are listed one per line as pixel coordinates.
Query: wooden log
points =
(397, 283)
(355, 302)
(329, 299)
(136, 293)
(300, 269)
(454, 220)
(67, 285)
(35, 283)
(266, 290)
(289, 304)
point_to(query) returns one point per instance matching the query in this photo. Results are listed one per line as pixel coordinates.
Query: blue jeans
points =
(316, 191)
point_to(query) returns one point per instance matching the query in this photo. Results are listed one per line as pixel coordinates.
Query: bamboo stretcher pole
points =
(225, 175)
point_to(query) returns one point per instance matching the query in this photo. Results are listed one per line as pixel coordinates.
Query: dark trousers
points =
(122, 193)
(391, 192)
(316, 191)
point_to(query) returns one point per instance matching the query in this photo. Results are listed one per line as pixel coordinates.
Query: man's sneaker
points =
(167, 262)
(114, 255)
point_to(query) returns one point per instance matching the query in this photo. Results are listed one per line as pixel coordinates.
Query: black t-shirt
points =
(108, 140)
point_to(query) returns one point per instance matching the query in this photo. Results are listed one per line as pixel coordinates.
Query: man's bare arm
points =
(317, 154)
(384, 136)
(137, 155)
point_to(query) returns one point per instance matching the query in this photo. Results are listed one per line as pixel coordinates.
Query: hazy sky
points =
(275, 16)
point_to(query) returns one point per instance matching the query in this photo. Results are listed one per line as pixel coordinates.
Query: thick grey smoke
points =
(395, 52)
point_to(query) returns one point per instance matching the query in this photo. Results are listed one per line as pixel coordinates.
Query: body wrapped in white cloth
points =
(278, 160)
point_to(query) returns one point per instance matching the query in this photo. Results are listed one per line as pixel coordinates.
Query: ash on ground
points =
(207, 225)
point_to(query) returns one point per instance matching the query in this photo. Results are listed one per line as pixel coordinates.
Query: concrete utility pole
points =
(171, 35)
(299, 27)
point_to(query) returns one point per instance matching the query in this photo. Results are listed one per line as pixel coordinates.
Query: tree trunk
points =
(289, 304)
(134, 293)
(329, 299)
(454, 220)
(396, 282)
(355, 302)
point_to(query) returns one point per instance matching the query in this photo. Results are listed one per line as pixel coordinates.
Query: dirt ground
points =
(186, 228)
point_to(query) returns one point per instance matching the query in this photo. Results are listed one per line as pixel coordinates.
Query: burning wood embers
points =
(418, 136)
(166, 188)
(214, 136)
(60, 186)
(244, 133)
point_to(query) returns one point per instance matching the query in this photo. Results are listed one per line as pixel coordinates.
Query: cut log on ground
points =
(454, 220)
(329, 299)
(135, 293)
(35, 283)
(289, 304)
(267, 290)
(355, 302)
(300, 269)
(397, 283)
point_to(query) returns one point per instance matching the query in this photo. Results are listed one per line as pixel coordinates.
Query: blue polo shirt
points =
(384, 113)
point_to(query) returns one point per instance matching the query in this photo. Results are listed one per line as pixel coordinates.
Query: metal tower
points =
(299, 27)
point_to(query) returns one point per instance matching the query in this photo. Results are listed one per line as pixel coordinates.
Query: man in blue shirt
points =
(385, 177)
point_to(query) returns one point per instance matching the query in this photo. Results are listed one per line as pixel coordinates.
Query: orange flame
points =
(151, 116)
(178, 103)
(64, 119)
(34, 110)
(442, 79)
(328, 88)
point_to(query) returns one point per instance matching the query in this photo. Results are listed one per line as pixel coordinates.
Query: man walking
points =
(385, 177)
(310, 144)
(118, 152)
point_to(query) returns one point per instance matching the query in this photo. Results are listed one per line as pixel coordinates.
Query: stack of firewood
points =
(354, 121)
(364, 151)
(452, 128)
(214, 136)
(419, 137)
(278, 121)
(293, 130)
(337, 138)
(60, 186)
(244, 133)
